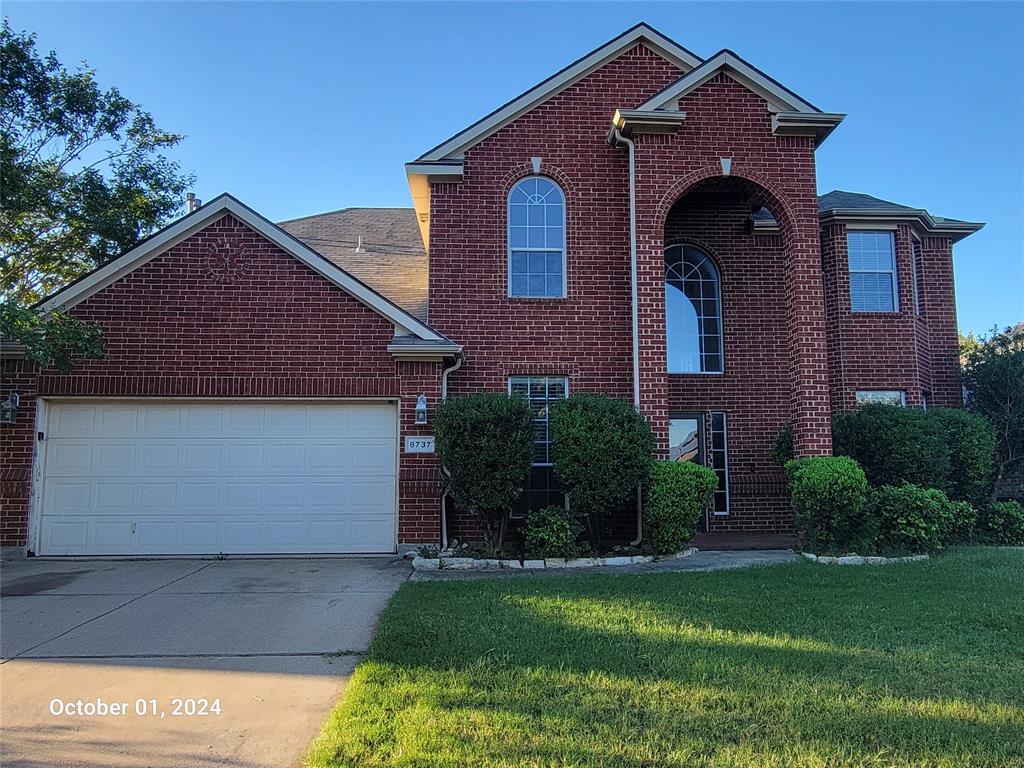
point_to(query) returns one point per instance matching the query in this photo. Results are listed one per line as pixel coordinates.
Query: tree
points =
(84, 179)
(602, 450)
(993, 376)
(485, 443)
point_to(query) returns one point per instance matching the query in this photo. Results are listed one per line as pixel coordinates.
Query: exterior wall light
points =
(421, 409)
(9, 408)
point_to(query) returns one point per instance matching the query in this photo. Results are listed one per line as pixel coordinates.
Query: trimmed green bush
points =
(1003, 523)
(828, 495)
(893, 445)
(971, 443)
(910, 518)
(601, 451)
(550, 532)
(962, 522)
(485, 443)
(677, 494)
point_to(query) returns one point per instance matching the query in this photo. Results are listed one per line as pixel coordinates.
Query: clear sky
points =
(302, 108)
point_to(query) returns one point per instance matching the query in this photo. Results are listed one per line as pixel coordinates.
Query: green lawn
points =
(919, 664)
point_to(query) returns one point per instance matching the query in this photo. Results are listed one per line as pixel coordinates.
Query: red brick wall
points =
(226, 313)
(754, 388)
(17, 446)
(899, 350)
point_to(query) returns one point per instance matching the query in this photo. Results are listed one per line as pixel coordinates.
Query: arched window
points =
(536, 239)
(693, 311)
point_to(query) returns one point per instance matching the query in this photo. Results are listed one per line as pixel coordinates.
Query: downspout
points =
(444, 496)
(631, 151)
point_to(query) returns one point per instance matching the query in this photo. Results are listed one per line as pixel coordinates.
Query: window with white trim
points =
(915, 251)
(881, 397)
(542, 487)
(872, 261)
(718, 460)
(693, 311)
(536, 239)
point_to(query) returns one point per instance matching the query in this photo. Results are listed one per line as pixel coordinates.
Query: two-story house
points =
(644, 223)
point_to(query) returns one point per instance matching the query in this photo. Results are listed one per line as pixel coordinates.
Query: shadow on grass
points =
(779, 666)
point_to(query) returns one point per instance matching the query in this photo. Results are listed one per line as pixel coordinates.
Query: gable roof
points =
(191, 223)
(453, 147)
(856, 205)
(392, 260)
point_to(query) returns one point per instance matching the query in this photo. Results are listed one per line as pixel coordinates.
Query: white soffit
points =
(641, 33)
(778, 96)
(190, 224)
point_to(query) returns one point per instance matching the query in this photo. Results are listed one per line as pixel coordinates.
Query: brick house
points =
(643, 223)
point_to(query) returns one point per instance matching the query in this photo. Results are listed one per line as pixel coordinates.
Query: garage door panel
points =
(194, 478)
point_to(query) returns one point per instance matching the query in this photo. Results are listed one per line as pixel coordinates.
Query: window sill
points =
(691, 374)
(856, 313)
(538, 299)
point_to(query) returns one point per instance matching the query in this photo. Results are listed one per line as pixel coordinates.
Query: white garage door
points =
(195, 477)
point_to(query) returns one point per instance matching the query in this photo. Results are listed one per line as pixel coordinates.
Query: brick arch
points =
(683, 185)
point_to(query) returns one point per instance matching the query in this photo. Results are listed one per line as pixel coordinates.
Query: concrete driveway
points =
(273, 640)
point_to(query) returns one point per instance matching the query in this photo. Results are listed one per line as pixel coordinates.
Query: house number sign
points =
(419, 444)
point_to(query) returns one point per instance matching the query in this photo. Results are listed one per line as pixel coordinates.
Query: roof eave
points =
(817, 124)
(630, 121)
(955, 230)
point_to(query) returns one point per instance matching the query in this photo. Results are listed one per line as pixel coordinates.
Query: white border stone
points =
(852, 559)
(448, 563)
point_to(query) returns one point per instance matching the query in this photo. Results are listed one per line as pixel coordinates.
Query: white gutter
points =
(635, 313)
(444, 496)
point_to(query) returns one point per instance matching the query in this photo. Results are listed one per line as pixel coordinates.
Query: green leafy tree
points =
(602, 451)
(993, 375)
(84, 178)
(485, 443)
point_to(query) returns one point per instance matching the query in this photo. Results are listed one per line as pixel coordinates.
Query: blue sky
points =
(274, 97)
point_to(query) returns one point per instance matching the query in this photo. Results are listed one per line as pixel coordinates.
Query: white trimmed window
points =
(693, 311)
(881, 397)
(536, 239)
(872, 260)
(542, 487)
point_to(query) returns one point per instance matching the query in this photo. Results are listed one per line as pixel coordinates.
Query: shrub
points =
(828, 494)
(485, 443)
(962, 522)
(1003, 523)
(550, 532)
(910, 518)
(971, 445)
(677, 494)
(893, 445)
(601, 449)
(782, 450)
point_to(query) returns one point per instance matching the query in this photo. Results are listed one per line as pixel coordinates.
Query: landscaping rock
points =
(876, 560)
(641, 559)
(426, 563)
(678, 555)
(914, 558)
(510, 564)
(827, 559)
(461, 564)
(533, 564)
(810, 556)
(490, 564)
(850, 560)
(554, 562)
(621, 560)
(582, 562)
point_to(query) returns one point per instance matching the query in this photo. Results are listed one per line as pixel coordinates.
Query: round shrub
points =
(676, 496)
(910, 518)
(893, 445)
(971, 444)
(828, 495)
(1003, 523)
(485, 443)
(601, 451)
(550, 532)
(962, 521)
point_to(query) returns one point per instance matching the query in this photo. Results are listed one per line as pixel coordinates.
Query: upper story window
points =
(536, 239)
(693, 311)
(915, 251)
(872, 261)
(881, 397)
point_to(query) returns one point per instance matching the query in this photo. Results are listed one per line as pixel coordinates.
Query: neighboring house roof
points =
(453, 147)
(855, 205)
(405, 322)
(391, 259)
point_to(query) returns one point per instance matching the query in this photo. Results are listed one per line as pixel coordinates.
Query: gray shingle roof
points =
(392, 262)
(838, 199)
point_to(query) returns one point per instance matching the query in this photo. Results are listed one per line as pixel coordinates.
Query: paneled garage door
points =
(190, 477)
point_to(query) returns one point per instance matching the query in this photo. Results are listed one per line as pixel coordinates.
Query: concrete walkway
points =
(702, 561)
(273, 640)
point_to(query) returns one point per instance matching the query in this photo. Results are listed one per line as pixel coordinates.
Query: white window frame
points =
(718, 317)
(873, 396)
(527, 377)
(893, 273)
(725, 458)
(509, 249)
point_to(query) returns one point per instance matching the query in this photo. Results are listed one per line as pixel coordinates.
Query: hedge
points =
(828, 495)
(677, 494)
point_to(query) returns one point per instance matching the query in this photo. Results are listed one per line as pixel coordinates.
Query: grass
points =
(919, 664)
